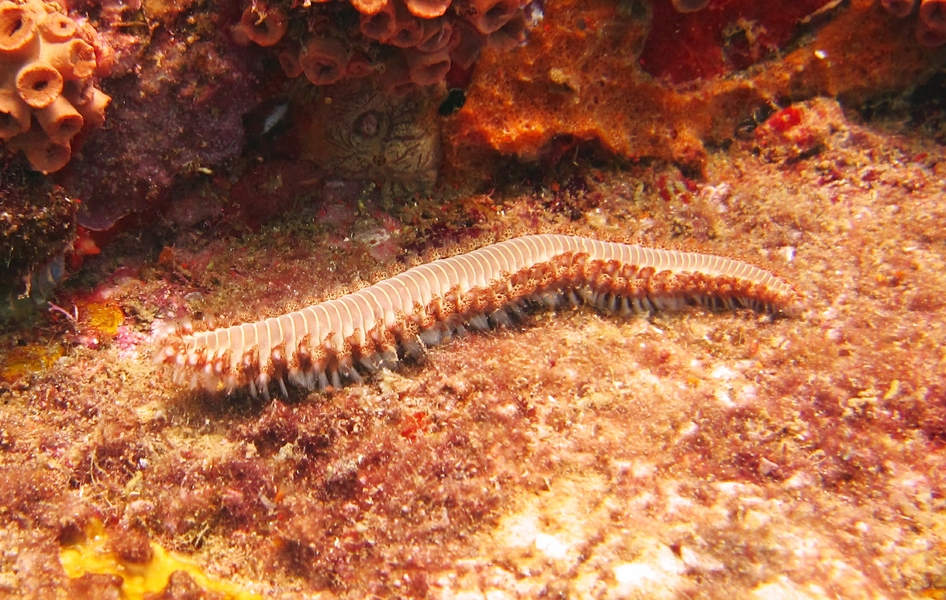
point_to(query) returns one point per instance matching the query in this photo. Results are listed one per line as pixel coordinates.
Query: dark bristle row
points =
(333, 342)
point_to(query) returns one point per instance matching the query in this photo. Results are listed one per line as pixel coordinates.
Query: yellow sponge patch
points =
(93, 556)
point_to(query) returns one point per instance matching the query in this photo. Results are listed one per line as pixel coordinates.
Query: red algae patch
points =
(725, 36)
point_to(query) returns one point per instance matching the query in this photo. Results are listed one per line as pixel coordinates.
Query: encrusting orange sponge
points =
(46, 65)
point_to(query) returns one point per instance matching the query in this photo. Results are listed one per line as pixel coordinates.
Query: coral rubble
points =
(48, 61)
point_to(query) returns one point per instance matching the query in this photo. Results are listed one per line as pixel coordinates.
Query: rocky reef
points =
(37, 229)
(260, 157)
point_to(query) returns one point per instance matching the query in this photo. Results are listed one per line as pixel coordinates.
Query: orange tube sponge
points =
(74, 59)
(898, 8)
(438, 35)
(395, 79)
(428, 69)
(14, 114)
(47, 61)
(933, 13)
(359, 66)
(380, 25)
(370, 7)
(60, 120)
(44, 154)
(57, 27)
(928, 36)
(931, 30)
(48, 156)
(265, 28)
(428, 9)
(39, 84)
(686, 6)
(94, 111)
(17, 30)
(104, 54)
(408, 31)
(78, 91)
(490, 15)
(289, 61)
(469, 44)
(324, 60)
(509, 35)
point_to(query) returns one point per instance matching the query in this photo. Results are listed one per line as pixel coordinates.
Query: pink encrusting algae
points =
(424, 305)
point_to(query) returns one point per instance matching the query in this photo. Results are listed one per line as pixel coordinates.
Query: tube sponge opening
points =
(933, 13)
(44, 154)
(17, 29)
(469, 44)
(928, 36)
(39, 84)
(289, 61)
(931, 30)
(509, 35)
(428, 69)
(57, 27)
(324, 60)
(898, 8)
(380, 25)
(60, 120)
(438, 35)
(14, 115)
(93, 111)
(408, 31)
(74, 59)
(493, 14)
(264, 28)
(49, 156)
